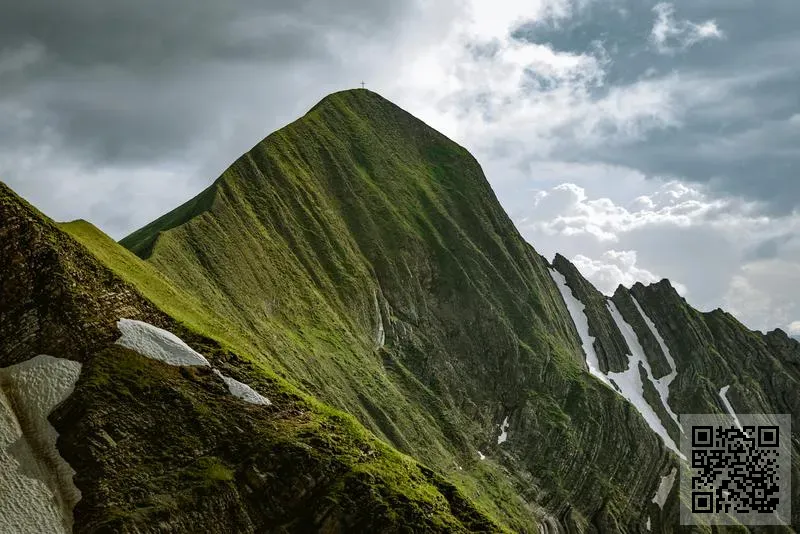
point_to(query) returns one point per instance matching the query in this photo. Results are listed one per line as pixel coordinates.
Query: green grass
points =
(356, 199)
(282, 258)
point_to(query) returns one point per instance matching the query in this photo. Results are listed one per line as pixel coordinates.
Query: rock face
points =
(358, 261)
(710, 353)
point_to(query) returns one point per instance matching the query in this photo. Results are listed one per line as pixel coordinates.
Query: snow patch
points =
(723, 394)
(664, 487)
(37, 493)
(503, 437)
(380, 334)
(663, 383)
(153, 342)
(243, 391)
(480, 454)
(630, 383)
(157, 344)
(648, 524)
(577, 312)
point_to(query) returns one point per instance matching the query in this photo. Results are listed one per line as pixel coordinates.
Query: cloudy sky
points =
(641, 139)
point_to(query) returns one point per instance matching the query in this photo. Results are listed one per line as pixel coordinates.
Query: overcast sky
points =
(641, 139)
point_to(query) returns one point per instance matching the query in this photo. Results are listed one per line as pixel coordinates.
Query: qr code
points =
(736, 472)
(735, 469)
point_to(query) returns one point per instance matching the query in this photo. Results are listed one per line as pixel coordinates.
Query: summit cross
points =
(362, 85)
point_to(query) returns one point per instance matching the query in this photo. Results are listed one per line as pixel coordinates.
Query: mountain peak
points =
(347, 132)
(352, 95)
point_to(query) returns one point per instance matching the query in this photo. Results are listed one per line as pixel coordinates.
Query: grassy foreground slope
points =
(367, 260)
(158, 448)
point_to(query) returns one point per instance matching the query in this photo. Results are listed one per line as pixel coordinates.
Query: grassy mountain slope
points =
(164, 449)
(372, 265)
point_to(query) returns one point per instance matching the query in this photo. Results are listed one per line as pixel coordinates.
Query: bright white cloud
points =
(615, 268)
(670, 35)
(701, 243)
(566, 210)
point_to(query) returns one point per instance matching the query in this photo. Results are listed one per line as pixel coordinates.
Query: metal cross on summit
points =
(362, 85)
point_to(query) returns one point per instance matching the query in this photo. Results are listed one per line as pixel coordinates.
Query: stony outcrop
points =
(609, 343)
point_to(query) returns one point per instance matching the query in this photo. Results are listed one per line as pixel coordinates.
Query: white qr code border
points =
(768, 438)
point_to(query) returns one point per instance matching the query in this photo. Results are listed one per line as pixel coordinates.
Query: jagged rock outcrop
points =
(710, 351)
(609, 343)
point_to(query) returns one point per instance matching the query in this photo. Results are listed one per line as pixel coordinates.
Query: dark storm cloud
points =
(157, 34)
(117, 82)
(746, 142)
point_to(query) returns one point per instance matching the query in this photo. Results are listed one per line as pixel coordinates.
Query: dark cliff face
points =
(55, 297)
(609, 343)
(358, 258)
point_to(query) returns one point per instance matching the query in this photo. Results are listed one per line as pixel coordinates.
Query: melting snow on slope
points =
(577, 312)
(503, 437)
(157, 344)
(243, 391)
(664, 488)
(723, 394)
(36, 489)
(630, 380)
(662, 384)
(380, 334)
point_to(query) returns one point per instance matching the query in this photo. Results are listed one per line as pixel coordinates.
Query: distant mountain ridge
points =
(359, 259)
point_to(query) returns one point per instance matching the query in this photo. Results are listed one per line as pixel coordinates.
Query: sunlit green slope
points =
(367, 259)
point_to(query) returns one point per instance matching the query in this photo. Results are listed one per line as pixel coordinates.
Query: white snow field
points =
(157, 344)
(243, 391)
(630, 381)
(667, 481)
(723, 394)
(662, 384)
(577, 312)
(503, 437)
(37, 494)
(164, 346)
